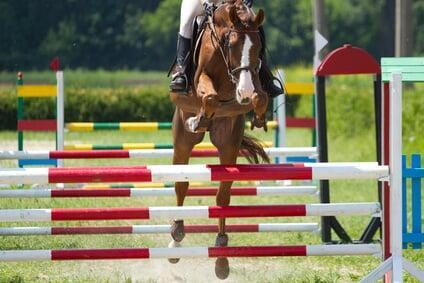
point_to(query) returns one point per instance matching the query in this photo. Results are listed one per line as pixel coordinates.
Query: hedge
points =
(93, 104)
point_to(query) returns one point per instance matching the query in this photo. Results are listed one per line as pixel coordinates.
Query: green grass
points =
(351, 138)
(84, 78)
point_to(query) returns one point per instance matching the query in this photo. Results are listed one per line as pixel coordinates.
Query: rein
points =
(231, 72)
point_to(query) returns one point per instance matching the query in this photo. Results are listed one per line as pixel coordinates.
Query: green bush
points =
(7, 109)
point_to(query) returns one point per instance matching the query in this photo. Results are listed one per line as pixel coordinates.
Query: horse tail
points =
(252, 150)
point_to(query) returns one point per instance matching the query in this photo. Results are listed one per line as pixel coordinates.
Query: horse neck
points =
(217, 70)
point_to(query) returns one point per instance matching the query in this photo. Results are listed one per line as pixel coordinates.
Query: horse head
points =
(237, 28)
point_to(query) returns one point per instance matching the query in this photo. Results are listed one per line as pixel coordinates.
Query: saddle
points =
(199, 27)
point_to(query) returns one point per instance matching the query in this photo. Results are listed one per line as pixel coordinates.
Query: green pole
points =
(276, 132)
(20, 112)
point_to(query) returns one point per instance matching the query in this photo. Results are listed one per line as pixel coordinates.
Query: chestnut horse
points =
(226, 74)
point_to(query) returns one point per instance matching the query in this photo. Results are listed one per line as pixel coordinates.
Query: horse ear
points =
(233, 15)
(259, 19)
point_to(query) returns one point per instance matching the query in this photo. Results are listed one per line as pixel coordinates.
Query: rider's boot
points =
(180, 81)
(268, 80)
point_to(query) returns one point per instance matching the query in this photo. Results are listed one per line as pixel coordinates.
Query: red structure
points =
(346, 60)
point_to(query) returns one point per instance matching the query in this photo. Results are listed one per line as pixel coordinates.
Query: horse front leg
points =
(183, 145)
(209, 104)
(260, 106)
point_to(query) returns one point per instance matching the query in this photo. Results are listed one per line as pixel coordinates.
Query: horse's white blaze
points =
(245, 86)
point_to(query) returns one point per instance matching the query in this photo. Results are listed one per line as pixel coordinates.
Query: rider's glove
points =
(248, 3)
(209, 8)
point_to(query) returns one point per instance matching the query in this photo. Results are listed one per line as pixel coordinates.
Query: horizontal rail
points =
(300, 88)
(37, 125)
(155, 153)
(196, 173)
(133, 126)
(137, 146)
(153, 192)
(94, 214)
(37, 91)
(193, 252)
(160, 229)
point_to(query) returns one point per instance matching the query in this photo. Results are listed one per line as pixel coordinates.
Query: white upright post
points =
(396, 264)
(396, 175)
(281, 120)
(60, 115)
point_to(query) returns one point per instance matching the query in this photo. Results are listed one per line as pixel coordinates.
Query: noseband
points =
(224, 44)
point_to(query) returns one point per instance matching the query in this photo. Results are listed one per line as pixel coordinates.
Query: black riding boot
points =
(265, 75)
(180, 80)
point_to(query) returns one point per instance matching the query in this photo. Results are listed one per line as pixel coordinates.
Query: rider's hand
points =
(248, 3)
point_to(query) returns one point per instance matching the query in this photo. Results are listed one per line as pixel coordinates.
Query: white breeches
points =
(190, 9)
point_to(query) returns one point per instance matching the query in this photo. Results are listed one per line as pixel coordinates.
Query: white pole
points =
(142, 153)
(60, 105)
(281, 120)
(396, 174)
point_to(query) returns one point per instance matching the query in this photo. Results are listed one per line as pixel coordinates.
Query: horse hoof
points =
(174, 244)
(259, 123)
(177, 230)
(173, 260)
(222, 268)
(221, 240)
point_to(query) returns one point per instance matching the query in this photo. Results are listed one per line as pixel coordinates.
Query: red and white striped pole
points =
(153, 192)
(145, 153)
(196, 173)
(193, 252)
(160, 229)
(288, 210)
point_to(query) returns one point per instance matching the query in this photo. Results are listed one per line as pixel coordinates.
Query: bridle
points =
(224, 43)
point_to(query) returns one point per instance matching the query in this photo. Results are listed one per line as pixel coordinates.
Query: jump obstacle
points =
(194, 252)
(392, 241)
(393, 198)
(196, 173)
(190, 212)
(138, 146)
(25, 92)
(154, 192)
(34, 91)
(132, 126)
(361, 170)
(161, 229)
(353, 169)
(156, 126)
(292, 88)
(310, 152)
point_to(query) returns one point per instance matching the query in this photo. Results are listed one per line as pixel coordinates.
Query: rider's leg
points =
(265, 74)
(190, 9)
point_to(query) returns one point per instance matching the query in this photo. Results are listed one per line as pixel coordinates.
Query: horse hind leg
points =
(177, 227)
(228, 140)
(222, 265)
